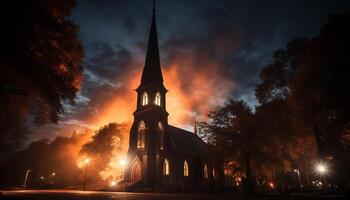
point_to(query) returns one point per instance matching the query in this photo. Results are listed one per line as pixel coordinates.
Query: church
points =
(161, 156)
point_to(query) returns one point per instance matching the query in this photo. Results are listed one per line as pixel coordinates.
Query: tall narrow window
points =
(157, 99)
(166, 170)
(214, 173)
(205, 171)
(141, 135)
(144, 99)
(161, 135)
(186, 168)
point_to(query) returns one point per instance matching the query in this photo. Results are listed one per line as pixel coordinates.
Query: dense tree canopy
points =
(233, 135)
(40, 64)
(105, 145)
(43, 158)
(303, 115)
(312, 76)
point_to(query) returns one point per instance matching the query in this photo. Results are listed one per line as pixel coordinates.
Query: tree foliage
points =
(232, 127)
(105, 144)
(40, 65)
(44, 157)
(312, 76)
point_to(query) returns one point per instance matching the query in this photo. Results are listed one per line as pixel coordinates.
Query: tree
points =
(233, 130)
(311, 75)
(40, 63)
(43, 158)
(105, 144)
(286, 143)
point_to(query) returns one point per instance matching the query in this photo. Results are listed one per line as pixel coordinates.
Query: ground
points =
(81, 195)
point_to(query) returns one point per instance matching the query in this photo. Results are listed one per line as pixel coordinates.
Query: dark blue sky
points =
(239, 37)
(257, 27)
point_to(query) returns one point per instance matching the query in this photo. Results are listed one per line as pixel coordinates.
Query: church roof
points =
(152, 72)
(185, 141)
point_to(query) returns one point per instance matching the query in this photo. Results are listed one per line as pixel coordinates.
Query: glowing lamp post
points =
(122, 163)
(26, 178)
(298, 173)
(86, 162)
(53, 174)
(321, 168)
(113, 184)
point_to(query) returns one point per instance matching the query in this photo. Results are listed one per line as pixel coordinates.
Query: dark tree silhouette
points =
(232, 129)
(312, 76)
(39, 66)
(43, 158)
(288, 145)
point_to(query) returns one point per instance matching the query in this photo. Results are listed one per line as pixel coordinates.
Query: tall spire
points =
(152, 72)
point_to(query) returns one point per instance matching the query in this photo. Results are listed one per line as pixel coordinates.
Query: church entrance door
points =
(136, 172)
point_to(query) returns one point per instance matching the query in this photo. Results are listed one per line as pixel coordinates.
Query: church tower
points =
(147, 131)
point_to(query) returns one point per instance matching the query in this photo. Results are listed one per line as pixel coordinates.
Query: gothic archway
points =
(136, 171)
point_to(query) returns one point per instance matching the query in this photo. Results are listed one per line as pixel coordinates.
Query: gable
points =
(186, 142)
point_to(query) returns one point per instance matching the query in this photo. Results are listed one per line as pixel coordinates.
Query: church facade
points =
(162, 156)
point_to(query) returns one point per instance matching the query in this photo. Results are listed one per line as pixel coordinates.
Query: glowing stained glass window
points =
(157, 99)
(141, 135)
(144, 99)
(186, 171)
(166, 169)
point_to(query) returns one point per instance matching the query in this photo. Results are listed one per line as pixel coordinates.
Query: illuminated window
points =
(141, 135)
(213, 173)
(205, 171)
(157, 99)
(144, 98)
(185, 168)
(161, 135)
(166, 170)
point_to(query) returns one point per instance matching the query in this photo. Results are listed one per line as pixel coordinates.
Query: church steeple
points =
(152, 72)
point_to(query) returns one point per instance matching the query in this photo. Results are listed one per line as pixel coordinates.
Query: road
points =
(89, 195)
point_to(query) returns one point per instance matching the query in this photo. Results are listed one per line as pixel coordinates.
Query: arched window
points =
(144, 98)
(186, 172)
(141, 135)
(161, 135)
(205, 171)
(166, 170)
(157, 99)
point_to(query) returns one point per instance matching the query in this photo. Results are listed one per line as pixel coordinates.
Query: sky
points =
(210, 51)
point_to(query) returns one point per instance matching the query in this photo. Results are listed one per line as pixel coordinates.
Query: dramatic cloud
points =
(210, 51)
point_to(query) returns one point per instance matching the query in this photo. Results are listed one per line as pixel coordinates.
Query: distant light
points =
(113, 183)
(271, 185)
(123, 162)
(53, 174)
(321, 168)
(87, 160)
(42, 178)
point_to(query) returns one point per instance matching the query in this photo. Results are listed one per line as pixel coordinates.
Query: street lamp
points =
(26, 178)
(298, 173)
(122, 163)
(42, 178)
(86, 162)
(53, 174)
(321, 168)
(113, 184)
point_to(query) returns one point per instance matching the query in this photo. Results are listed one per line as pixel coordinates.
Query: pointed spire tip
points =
(154, 5)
